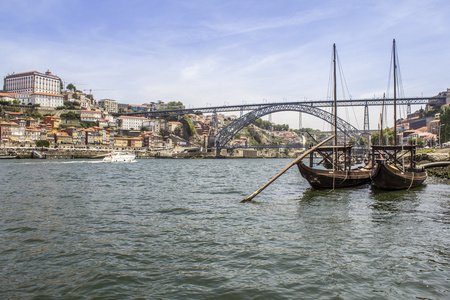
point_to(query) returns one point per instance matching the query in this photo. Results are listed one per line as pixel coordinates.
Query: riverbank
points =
(435, 155)
(85, 153)
(424, 156)
(46, 153)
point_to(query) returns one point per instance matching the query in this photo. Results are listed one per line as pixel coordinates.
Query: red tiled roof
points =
(30, 73)
(32, 129)
(130, 117)
(90, 117)
(13, 113)
(422, 129)
(62, 133)
(48, 94)
(23, 73)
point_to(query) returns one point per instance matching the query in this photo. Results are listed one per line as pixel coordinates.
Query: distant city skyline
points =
(229, 52)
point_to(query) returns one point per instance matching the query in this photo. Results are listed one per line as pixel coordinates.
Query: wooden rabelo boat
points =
(390, 171)
(340, 174)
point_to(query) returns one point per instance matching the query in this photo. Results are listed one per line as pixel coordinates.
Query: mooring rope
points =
(412, 180)
(346, 175)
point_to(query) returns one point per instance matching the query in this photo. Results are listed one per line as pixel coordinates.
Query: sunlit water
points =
(174, 229)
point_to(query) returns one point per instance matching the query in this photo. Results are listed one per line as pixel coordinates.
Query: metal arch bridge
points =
(309, 107)
(227, 133)
(436, 100)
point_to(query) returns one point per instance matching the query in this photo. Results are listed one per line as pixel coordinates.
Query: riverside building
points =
(109, 105)
(35, 88)
(128, 122)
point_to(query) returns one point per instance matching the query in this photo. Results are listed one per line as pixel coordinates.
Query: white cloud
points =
(201, 52)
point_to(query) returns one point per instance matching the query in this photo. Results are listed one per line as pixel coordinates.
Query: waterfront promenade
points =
(73, 153)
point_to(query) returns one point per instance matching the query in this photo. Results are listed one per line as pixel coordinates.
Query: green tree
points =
(352, 140)
(164, 133)
(187, 123)
(389, 132)
(70, 115)
(307, 129)
(71, 87)
(363, 141)
(262, 124)
(87, 124)
(177, 131)
(33, 114)
(444, 118)
(174, 103)
(280, 127)
(255, 139)
(416, 141)
(42, 143)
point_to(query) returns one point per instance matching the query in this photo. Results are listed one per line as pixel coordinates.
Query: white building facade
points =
(43, 99)
(90, 115)
(33, 82)
(110, 105)
(127, 122)
(35, 88)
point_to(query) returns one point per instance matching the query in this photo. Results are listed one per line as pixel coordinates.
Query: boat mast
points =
(381, 120)
(395, 94)
(335, 105)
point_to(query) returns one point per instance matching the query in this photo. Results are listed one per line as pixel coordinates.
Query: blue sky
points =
(207, 52)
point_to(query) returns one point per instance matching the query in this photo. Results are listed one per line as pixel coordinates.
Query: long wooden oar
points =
(435, 164)
(287, 168)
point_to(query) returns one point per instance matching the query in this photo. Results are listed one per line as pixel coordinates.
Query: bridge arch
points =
(227, 133)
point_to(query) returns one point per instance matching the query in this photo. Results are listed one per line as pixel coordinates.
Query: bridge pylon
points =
(366, 118)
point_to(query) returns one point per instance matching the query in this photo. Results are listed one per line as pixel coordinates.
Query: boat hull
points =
(332, 179)
(386, 177)
(120, 157)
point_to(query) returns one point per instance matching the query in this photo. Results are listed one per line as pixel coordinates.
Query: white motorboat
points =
(119, 157)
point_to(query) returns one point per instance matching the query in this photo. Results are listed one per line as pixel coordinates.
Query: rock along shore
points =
(436, 156)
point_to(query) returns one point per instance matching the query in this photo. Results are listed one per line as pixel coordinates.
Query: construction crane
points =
(90, 90)
(65, 83)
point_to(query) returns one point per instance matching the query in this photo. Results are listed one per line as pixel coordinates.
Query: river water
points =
(174, 229)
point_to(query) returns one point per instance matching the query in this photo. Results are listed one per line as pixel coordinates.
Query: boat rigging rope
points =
(403, 158)
(346, 175)
(412, 180)
(333, 181)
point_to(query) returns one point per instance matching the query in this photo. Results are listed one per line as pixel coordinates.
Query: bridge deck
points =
(320, 103)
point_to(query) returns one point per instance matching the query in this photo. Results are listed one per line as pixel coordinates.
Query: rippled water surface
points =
(174, 229)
